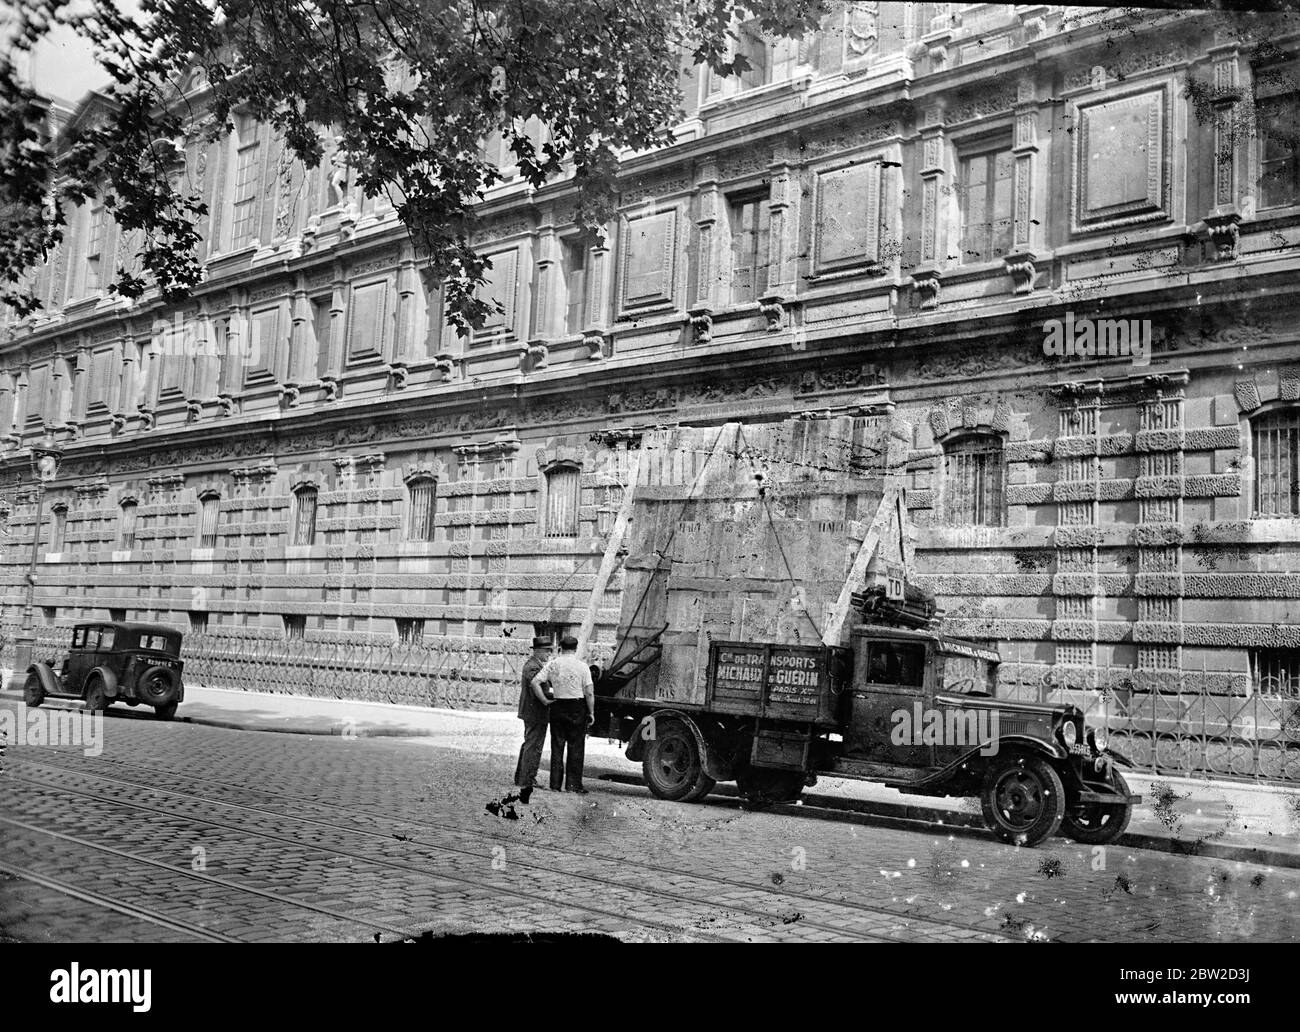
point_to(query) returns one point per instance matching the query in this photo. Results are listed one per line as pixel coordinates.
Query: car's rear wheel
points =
(157, 686)
(1023, 800)
(166, 711)
(672, 764)
(96, 695)
(1097, 824)
(33, 691)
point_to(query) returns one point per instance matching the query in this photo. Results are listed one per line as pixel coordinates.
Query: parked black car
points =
(114, 662)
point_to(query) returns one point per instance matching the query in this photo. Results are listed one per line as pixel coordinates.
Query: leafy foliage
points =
(407, 88)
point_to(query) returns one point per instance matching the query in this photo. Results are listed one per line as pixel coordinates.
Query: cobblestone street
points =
(179, 832)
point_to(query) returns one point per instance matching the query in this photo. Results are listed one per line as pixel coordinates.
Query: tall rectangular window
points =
(575, 284)
(973, 481)
(94, 248)
(562, 495)
(1278, 128)
(322, 326)
(198, 622)
(209, 507)
(410, 630)
(295, 627)
(420, 499)
(60, 517)
(304, 522)
(1276, 440)
(984, 195)
(245, 196)
(749, 241)
(128, 525)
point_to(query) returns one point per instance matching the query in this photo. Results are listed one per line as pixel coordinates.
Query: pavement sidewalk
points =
(1229, 820)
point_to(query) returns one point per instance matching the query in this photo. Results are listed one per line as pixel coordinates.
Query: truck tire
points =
(1023, 800)
(1097, 824)
(763, 786)
(672, 764)
(166, 711)
(157, 686)
(33, 692)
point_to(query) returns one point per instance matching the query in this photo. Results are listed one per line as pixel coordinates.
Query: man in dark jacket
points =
(534, 709)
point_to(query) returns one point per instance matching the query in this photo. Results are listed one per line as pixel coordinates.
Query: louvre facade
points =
(1057, 248)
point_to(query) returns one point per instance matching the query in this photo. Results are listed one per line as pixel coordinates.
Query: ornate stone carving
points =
(596, 343)
(926, 284)
(397, 374)
(701, 320)
(1022, 270)
(1221, 226)
(861, 33)
(773, 308)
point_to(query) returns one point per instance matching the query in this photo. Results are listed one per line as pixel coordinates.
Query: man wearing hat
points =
(533, 711)
(573, 710)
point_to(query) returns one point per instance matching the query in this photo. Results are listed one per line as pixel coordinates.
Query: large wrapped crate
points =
(749, 533)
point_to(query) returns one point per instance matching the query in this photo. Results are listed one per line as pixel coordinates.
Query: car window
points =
(965, 674)
(92, 637)
(106, 638)
(896, 662)
(158, 642)
(79, 638)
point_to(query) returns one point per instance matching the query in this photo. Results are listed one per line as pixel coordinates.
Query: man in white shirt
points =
(572, 712)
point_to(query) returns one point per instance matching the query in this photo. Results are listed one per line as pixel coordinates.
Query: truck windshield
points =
(965, 675)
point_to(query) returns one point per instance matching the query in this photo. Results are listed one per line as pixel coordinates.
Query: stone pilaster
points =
(1027, 225)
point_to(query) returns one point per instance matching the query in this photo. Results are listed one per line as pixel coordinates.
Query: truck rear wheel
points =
(1023, 800)
(672, 764)
(1097, 824)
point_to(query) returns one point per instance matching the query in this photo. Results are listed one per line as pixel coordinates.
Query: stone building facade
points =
(307, 469)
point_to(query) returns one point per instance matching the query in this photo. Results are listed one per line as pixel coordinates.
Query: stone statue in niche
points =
(336, 178)
(862, 36)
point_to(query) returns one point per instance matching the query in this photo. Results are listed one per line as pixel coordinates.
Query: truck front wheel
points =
(1023, 800)
(1097, 824)
(672, 764)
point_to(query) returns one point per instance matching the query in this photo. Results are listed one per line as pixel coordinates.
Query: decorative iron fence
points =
(1192, 725)
(462, 673)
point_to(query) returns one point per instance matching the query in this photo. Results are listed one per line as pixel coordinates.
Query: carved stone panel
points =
(263, 330)
(649, 261)
(367, 321)
(848, 217)
(1122, 158)
(501, 288)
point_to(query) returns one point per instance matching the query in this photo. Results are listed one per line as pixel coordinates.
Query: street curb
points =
(839, 808)
(324, 731)
(318, 731)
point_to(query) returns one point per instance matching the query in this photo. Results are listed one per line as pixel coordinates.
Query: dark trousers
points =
(568, 730)
(530, 753)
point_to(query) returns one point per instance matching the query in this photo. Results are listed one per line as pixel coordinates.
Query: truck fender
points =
(49, 682)
(975, 757)
(1108, 751)
(109, 678)
(714, 766)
